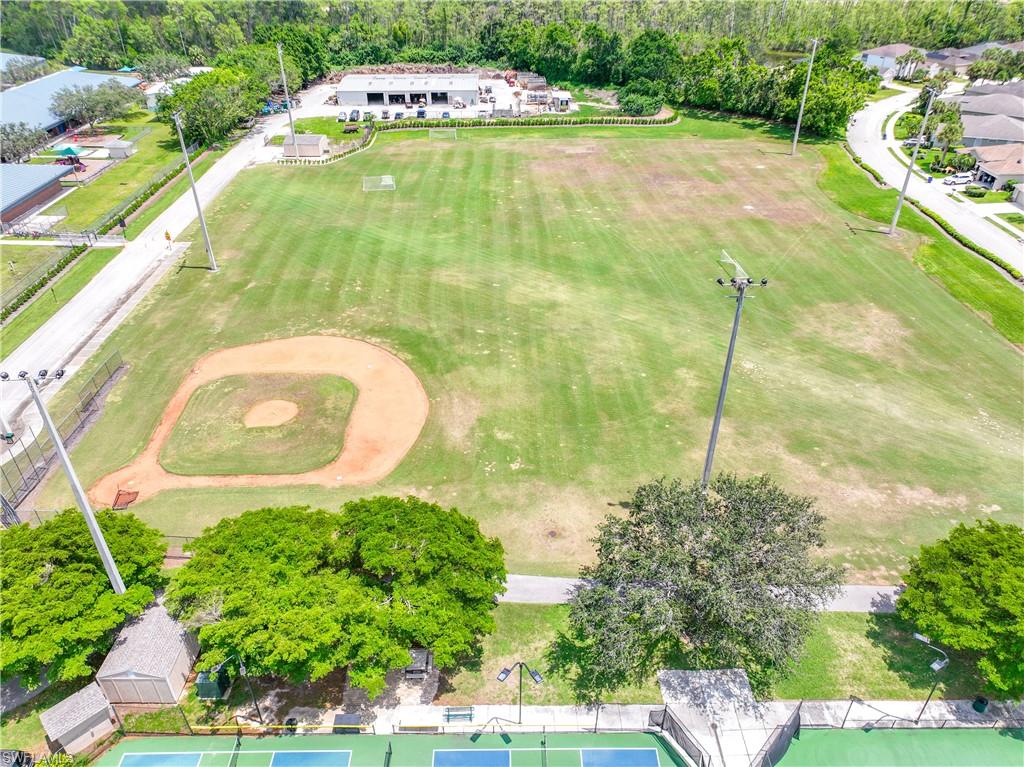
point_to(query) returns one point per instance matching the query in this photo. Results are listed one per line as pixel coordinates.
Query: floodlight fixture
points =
(939, 664)
(504, 674)
(43, 372)
(535, 675)
(922, 638)
(22, 374)
(4, 376)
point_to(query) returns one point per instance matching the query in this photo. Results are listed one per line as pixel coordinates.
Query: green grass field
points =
(989, 197)
(145, 216)
(155, 152)
(908, 748)
(25, 259)
(554, 291)
(74, 277)
(1014, 219)
(211, 436)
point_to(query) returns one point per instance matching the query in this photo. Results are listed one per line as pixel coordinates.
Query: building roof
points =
(7, 58)
(148, 646)
(994, 104)
(118, 144)
(1015, 88)
(951, 57)
(393, 82)
(1000, 159)
(304, 138)
(19, 182)
(74, 711)
(980, 48)
(891, 51)
(993, 127)
(30, 103)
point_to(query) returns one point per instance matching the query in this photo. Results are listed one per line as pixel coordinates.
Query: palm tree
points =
(907, 63)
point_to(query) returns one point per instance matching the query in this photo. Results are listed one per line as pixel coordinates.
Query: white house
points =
(392, 90)
(884, 58)
(150, 660)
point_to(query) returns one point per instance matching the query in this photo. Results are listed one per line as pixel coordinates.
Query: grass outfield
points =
(26, 258)
(45, 304)
(908, 748)
(554, 291)
(212, 437)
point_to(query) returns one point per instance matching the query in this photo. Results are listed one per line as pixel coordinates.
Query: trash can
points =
(980, 704)
(884, 135)
(930, 179)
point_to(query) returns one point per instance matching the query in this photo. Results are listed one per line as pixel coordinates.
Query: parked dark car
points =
(399, 115)
(421, 113)
(354, 115)
(446, 115)
(385, 114)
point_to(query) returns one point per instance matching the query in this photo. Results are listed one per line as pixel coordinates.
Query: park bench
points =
(458, 714)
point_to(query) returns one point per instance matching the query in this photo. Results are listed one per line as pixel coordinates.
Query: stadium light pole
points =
(505, 673)
(936, 665)
(740, 283)
(913, 160)
(287, 99)
(76, 487)
(803, 100)
(195, 194)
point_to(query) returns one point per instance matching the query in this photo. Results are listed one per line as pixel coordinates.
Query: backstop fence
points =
(775, 747)
(28, 458)
(675, 729)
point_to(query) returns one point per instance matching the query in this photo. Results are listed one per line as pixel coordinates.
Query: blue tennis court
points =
(186, 759)
(253, 758)
(311, 759)
(583, 757)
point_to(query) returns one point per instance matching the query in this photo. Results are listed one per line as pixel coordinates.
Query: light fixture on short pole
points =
(936, 665)
(505, 673)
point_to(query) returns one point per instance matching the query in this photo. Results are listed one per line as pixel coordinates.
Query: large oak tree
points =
(298, 593)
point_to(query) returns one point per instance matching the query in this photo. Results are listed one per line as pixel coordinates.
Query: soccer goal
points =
(444, 134)
(378, 183)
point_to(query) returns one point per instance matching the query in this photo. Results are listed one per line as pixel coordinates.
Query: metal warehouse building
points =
(30, 103)
(396, 90)
(25, 188)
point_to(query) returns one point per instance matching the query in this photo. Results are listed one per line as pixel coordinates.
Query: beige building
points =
(306, 145)
(79, 720)
(150, 661)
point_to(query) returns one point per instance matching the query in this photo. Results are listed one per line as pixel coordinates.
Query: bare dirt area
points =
(385, 422)
(272, 412)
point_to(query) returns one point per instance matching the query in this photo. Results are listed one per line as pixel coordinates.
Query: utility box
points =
(212, 686)
(422, 663)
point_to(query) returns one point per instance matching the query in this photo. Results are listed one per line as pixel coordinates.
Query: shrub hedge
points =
(969, 244)
(512, 122)
(42, 282)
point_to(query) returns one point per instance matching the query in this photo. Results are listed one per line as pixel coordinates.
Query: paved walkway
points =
(865, 138)
(540, 589)
(71, 335)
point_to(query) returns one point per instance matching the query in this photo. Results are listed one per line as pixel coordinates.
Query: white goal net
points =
(378, 183)
(445, 134)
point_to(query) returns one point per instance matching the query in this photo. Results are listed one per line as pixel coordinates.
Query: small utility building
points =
(25, 188)
(389, 90)
(79, 720)
(150, 660)
(305, 145)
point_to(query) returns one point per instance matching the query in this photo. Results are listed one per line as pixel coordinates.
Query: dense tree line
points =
(554, 36)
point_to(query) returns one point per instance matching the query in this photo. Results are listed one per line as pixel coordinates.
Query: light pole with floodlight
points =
(932, 93)
(76, 487)
(803, 100)
(195, 194)
(505, 673)
(936, 665)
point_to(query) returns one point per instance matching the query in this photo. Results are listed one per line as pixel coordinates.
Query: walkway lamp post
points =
(534, 675)
(76, 486)
(936, 665)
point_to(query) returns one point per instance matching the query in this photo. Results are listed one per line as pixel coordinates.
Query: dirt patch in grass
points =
(458, 413)
(862, 329)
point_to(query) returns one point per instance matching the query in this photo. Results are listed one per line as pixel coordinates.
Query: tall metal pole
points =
(80, 497)
(803, 100)
(913, 161)
(195, 194)
(927, 701)
(741, 290)
(520, 693)
(287, 99)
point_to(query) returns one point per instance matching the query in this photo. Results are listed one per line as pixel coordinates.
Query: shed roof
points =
(148, 646)
(993, 127)
(19, 182)
(305, 138)
(30, 103)
(74, 711)
(390, 82)
(118, 144)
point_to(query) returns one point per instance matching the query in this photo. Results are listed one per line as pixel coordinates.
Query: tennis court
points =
(985, 747)
(633, 749)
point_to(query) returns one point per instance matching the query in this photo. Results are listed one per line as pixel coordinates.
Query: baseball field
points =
(552, 292)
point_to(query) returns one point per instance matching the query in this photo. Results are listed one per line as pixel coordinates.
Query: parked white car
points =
(958, 178)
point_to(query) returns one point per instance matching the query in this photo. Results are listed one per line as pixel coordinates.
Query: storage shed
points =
(79, 720)
(119, 150)
(305, 145)
(150, 660)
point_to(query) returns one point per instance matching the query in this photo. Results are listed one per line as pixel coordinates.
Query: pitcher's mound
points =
(271, 412)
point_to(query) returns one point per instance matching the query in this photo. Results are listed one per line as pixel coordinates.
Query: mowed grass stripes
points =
(554, 291)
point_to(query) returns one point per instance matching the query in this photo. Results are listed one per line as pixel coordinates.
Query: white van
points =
(958, 178)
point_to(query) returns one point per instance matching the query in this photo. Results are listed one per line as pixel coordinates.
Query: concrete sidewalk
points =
(541, 589)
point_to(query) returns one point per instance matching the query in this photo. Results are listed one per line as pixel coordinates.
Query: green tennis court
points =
(634, 749)
(907, 748)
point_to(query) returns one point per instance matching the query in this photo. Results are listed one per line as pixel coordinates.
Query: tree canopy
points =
(260, 61)
(58, 608)
(213, 103)
(729, 578)
(964, 592)
(91, 104)
(17, 140)
(298, 593)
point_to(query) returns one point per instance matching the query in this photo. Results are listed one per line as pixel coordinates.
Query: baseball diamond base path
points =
(386, 419)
